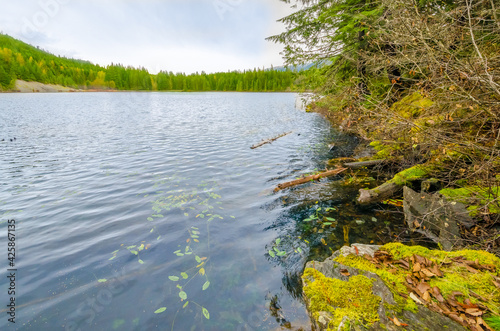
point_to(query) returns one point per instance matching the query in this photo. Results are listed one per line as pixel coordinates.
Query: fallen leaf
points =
(344, 272)
(415, 298)
(416, 267)
(426, 296)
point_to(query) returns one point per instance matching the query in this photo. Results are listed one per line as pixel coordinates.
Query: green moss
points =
(410, 174)
(395, 282)
(456, 277)
(476, 196)
(412, 105)
(353, 298)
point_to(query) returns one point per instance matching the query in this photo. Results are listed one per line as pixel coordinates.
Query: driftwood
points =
(379, 193)
(358, 165)
(309, 178)
(268, 141)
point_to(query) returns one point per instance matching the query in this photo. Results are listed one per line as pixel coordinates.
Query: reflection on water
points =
(141, 211)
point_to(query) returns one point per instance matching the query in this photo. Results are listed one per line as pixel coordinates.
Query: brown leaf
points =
(409, 280)
(415, 298)
(426, 296)
(396, 321)
(344, 272)
(423, 287)
(437, 294)
(474, 312)
(416, 267)
(428, 273)
(469, 268)
(497, 284)
(435, 270)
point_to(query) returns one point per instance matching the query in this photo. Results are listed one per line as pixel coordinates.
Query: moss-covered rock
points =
(348, 292)
(475, 196)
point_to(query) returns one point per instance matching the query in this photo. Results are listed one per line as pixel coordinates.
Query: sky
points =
(172, 35)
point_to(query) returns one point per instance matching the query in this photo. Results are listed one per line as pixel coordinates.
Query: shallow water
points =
(126, 203)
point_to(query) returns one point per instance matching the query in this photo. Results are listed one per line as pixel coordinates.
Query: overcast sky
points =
(174, 35)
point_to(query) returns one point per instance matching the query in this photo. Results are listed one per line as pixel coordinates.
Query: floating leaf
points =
(202, 271)
(130, 247)
(141, 247)
(158, 238)
(185, 305)
(160, 310)
(232, 216)
(134, 252)
(272, 253)
(184, 275)
(183, 295)
(151, 230)
(197, 258)
(102, 280)
(141, 261)
(111, 258)
(150, 219)
(173, 278)
(186, 214)
(205, 313)
(206, 285)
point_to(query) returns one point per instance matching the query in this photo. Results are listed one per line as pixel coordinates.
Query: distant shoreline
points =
(37, 87)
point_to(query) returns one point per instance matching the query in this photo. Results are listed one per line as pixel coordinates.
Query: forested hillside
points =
(19, 60)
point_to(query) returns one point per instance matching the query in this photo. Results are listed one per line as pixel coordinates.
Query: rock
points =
(423, 319)
(435, 217)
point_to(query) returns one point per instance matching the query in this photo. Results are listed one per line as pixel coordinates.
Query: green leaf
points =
(276, 249)
(205, 313)
(206, 285)
(111, 258)
(330, 219)
(327, 223)
(186, 214)
(184, 275)
(160, 310)
(183, 295)
(141, 261)
(282, 253)
(134, 252)
(102, 280)
(278, 241)
(272, 253)
(173, 278)
(130, 247)
(197, 258)
(150, 219)
(299, 249)
(185, 305)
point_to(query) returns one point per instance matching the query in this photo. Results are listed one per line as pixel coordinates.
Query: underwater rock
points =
(352, 295)
(435, 217)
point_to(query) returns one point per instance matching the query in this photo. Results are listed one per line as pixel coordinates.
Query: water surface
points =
(127, 203)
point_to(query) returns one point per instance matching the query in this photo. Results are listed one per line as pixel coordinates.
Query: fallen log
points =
(379, 193)
(394, 185)
(307, 179)
(362, 164)
(268, 141)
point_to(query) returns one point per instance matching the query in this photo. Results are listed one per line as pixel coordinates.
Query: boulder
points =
(435, 217)
(385, 304)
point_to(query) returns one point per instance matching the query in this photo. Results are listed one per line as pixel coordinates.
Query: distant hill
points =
(21, 61)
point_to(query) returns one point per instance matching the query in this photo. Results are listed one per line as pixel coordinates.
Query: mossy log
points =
(393, 186)
(307, 179)
(363, 164)
(268, 141)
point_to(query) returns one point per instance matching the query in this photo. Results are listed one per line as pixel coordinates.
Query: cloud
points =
(177, 35)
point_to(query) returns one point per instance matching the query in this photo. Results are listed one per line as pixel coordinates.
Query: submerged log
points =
(307, 179)
(268, 141)
(361, 164)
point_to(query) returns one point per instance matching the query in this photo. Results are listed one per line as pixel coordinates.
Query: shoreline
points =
(37, 87)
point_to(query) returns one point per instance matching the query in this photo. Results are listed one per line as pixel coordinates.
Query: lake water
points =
(127, 204)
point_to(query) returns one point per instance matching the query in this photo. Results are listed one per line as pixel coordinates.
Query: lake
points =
(142, 211)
